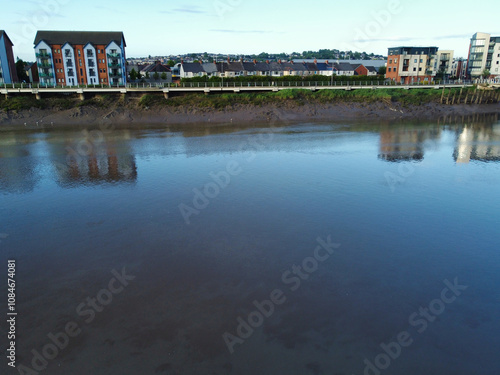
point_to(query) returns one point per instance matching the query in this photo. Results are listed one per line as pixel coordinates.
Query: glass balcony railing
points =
(46, 75)
(114, 55)
(114, 65)
(44, 55)
(44, 65)
(115, 74)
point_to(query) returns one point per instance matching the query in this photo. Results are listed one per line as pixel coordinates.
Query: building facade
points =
(8, 73)
(418, 64)
(72, 58)
(484, 56)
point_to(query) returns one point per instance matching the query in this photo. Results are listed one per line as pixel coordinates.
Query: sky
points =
(166, 27)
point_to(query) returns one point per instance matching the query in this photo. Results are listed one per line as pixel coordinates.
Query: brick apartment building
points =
(417, 64)
(8, 73)
(73, 58)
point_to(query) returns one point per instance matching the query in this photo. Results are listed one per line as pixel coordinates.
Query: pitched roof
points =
(3, 33)
(80, 37)
(210, 68)
(156, 68)
(371, 69)
(262, 67)
(346, 67)
(193, 68)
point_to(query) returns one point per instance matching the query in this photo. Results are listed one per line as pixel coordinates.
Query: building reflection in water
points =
(85, 159)
(477, 142)
(18, 165)
(406, 144)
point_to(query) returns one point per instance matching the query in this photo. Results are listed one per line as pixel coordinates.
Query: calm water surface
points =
(408, 207)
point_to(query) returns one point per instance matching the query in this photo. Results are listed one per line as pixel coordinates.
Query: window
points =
(395, 61)
(421, 60)
(390, 61)
(414, 69)
(81, 71)
(419, 69)
(415, 61)
(79, 53)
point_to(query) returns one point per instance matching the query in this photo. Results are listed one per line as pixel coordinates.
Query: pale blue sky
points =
(164, 27)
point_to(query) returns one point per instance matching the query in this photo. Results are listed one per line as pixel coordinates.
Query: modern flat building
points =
(484, 55)
(459, 68)
(8, 73)
(417, 64)
(73, 58)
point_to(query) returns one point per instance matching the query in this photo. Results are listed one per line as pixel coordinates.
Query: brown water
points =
(405, 207)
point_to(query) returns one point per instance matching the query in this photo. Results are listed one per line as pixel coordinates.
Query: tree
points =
(486, 73)
(164, 76)
(156, 76)
(147, 75)
(171, 63)
(133, 75)
(139, 75)
(382, 70)
(21, 73)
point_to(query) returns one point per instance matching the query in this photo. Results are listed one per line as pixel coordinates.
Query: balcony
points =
(90, 54)
(46, 75)
(115, 74)
(44, 65)
(44, 55)
(71, 73)
(91, 64)
(69, 64)
(114, 65)
(114, 55)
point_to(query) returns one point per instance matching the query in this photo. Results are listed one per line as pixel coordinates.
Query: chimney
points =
(326, 62)
(279, 61)
(291, 62)
(228, 59)
(182, 61)
(255, 61)
(315, 61)
(201, 61)
(267, 61)
(241, 59)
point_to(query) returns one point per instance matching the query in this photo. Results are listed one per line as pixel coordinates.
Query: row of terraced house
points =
(232, 69)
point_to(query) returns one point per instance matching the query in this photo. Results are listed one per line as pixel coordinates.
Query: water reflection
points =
(18, 167)
(87, 159)
(400, 144)
(76, 158)
(479, 142)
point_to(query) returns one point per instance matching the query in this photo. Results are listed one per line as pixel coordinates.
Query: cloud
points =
(241, 31)
(186, 9)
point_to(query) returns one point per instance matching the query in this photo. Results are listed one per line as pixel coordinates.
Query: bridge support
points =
(165, 95)
(82, 96)
(38, 96)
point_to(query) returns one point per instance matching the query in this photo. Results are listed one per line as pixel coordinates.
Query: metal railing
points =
(265, 85)
(114, 55)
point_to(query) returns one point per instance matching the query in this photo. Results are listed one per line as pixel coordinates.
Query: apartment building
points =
(8, 73)
(484, 55)
(418, 64)
(73, 58)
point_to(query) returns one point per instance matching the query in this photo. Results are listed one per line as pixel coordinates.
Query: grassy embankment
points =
(296, 97)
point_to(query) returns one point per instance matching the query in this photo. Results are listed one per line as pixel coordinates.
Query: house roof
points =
(193, 68)
(156, 68)
(3, 33)
(210, 67)
(345, 67)
(262, 67)
(323, 67)
(371, 69)
(80, 37)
